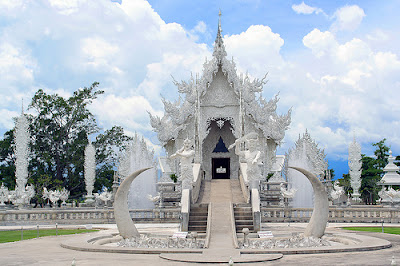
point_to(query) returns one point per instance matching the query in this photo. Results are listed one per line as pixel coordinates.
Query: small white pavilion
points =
(388, 194)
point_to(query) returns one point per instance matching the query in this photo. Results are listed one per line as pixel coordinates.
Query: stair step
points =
(240, 229)
(243, 214)
(240, 222)
(197, 229)
(198, 222)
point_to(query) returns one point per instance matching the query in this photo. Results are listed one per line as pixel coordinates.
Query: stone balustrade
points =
(244, 182)
(197, 179)
(349, 214)
(84, 216)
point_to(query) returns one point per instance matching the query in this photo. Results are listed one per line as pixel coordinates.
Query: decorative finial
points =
(22, 107)
(219, 48)
(219, 25)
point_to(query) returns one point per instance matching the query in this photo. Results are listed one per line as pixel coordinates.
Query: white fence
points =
(350, 214)
(83, 216)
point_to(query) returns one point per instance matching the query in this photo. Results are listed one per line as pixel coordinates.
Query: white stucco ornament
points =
(186, 155)
(355, 167)
(250, 156)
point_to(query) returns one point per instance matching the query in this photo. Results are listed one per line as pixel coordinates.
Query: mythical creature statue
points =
(337, 190)
(251, 156)
(104, 196)
(288, 193)
(186, 155)
(3, 194)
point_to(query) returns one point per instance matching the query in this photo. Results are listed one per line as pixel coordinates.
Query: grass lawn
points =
(388, 230)
(15, 235)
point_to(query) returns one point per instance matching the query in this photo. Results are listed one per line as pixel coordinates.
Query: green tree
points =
(59, 132)
(7, 160)
(381, 153)
(108, 147)
(370, 176)
(372, 172)
(346, 184)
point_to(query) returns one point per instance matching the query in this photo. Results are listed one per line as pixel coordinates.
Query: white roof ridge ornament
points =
(219, 47)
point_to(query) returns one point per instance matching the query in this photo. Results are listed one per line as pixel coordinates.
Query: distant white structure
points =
(355, 168)
(337, 191)
(64, 195)
(55, 195)
(3, 195)
(90, 171)
(21, 151)
(104, 196)
(391, 178)
(137, 156)
(306, 155)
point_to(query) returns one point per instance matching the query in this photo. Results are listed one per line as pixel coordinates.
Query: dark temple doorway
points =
(221, 168)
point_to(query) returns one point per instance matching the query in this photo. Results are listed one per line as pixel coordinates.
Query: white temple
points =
(306, 155)
(219, 107)
(137, 156)
(388, 194)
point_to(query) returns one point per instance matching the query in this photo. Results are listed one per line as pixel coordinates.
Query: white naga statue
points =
(337, 192)
(287, 193)
(104, 196)
(250, 156)
(186, 155)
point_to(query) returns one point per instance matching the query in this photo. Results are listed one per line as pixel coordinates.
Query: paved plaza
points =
(47, 251)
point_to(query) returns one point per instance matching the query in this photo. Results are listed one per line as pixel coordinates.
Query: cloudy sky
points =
(335, 62)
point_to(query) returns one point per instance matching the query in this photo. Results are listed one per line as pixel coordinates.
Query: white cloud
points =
(378, 35)
(348, 18)
(99, 54)
(200, 27)
(306, 9)
(386, 61)
(130, 112)
(6, 116)
(353, 51)
(356, 86)
(257, 50)
(16, 67)
(67, 7)
(320, 42)
(11, 5)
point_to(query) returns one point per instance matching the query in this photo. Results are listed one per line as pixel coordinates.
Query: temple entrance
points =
(221, 168)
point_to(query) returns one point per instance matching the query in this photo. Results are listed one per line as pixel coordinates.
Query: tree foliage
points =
(60, 129)
(7, 165)
(108, 147)
(372, 172)
(346, 184)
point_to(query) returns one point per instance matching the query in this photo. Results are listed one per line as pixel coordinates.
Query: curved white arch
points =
(317, 225)
(126, 227)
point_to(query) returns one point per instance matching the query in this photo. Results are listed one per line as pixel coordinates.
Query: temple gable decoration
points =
(219, 96)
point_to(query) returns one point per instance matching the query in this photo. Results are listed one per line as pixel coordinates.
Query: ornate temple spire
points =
(219, 47)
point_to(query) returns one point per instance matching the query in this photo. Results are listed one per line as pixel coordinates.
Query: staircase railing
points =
(185, 209)
(233, 226)
(197, 179)
(244, 182)
(208, 231)
(255, 207)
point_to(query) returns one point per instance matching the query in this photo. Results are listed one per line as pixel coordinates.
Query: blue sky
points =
(336, 63)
